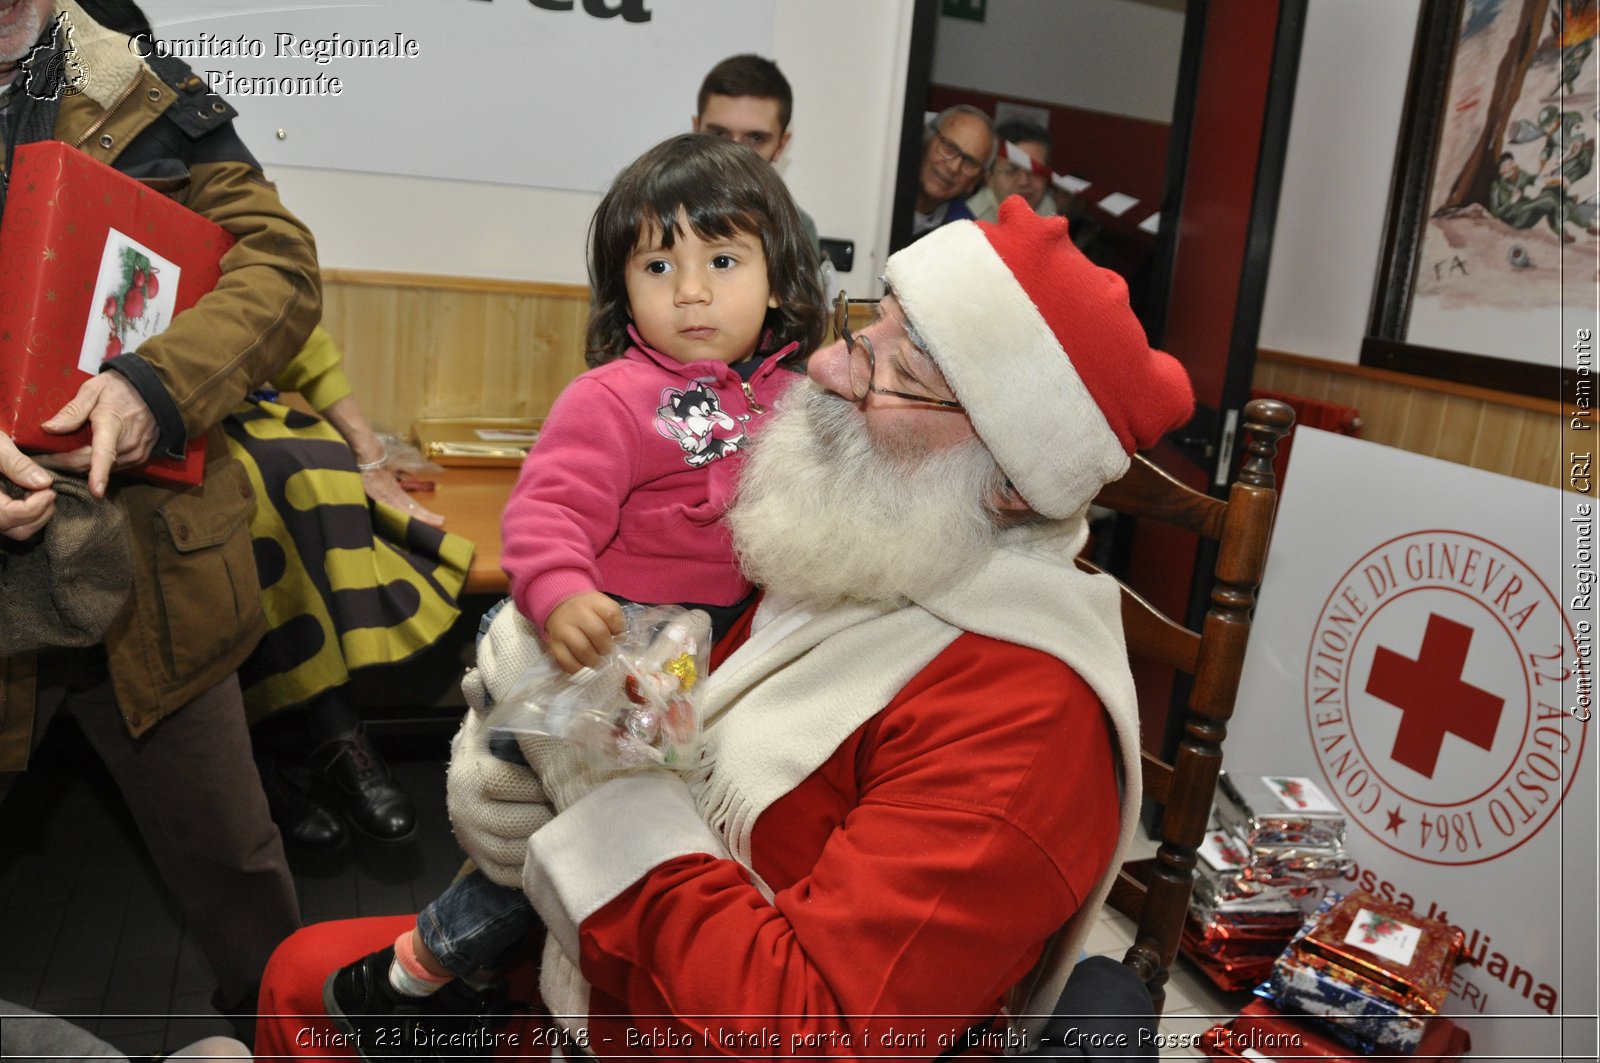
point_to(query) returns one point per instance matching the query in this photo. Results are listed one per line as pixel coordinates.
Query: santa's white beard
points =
(824, 516)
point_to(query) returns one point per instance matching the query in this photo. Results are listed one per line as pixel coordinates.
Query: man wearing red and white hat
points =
(921, 753)
(1021, 167)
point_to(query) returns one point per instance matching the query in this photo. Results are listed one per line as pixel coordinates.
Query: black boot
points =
(301, 820)
(359, 781)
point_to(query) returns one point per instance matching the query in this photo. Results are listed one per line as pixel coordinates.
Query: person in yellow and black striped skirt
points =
(354, 573)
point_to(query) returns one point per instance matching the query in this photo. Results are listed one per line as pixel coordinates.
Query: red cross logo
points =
(1431, 696)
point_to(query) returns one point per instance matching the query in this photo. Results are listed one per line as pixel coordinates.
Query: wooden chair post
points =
(1185, 789)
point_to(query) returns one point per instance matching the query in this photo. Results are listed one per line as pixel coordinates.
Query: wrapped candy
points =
(1227, 878)
(636, 708)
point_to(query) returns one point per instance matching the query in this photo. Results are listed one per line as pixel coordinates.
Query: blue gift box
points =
(1366, 1022)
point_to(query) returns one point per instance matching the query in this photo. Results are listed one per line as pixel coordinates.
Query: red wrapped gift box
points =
(92, 263)
(1386, 950)
(1273, 1035)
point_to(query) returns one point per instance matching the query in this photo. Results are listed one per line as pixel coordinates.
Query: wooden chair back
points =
(1214, 656)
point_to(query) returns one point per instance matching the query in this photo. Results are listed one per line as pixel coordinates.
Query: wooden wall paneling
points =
(1539, 455)
(366, 324)
(1499, 435)
(450, 330)
(1518, 436)
(557, 344)
(454, 347)
(1459, 428)
(1420, 429)
(1383, 414)
(1344, 390)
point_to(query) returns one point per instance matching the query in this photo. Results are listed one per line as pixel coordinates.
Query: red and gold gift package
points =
(92, 263)
(1374, 972)
(1386, 951)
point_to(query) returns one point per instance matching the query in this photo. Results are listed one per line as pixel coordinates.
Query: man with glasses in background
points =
(959, 148)
(1021, 167)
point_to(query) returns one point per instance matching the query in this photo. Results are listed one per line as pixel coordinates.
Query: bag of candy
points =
(636, 708)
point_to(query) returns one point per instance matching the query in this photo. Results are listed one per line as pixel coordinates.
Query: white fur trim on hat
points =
(1006, 366)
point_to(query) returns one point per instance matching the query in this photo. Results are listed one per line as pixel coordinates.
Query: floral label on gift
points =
(1222, 851)
(135, 294)
(1299, 794)
(1384, 936)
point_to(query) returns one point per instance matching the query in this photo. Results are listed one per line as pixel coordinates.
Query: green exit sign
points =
(968, 9)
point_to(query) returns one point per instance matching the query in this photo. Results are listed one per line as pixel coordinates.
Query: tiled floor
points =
(91, 934)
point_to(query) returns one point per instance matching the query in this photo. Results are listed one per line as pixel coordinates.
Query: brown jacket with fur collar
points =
(194, 613)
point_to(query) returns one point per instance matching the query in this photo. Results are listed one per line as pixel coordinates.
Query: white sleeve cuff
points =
(594, 851)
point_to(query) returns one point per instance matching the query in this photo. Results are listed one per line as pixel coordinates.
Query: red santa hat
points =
(1043, 350)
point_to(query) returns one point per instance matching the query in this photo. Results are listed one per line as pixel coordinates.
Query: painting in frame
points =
(1493, 240)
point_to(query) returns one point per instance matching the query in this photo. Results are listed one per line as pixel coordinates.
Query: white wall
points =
(1336, 179)
(1113, 56)
(1355, 58)
(849, 88)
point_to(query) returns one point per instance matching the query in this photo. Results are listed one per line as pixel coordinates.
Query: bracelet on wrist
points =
(374, 466)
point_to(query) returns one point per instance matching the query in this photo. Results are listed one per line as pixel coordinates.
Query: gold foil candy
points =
(683, 667)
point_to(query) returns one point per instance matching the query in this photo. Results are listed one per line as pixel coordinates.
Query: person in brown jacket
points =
(159, 699)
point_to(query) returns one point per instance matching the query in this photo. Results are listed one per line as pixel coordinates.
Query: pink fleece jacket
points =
(625, 488)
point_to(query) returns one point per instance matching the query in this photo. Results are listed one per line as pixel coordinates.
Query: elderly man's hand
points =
(21, 517)
(123, 431)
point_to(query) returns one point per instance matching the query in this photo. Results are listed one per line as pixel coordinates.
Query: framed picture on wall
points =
(1492, 250)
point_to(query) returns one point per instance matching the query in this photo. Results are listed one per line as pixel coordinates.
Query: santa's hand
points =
(494, 805)
(566, 771)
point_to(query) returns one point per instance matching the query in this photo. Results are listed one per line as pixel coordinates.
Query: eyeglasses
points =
(948, 150)
(1007, 170)
(864, 362)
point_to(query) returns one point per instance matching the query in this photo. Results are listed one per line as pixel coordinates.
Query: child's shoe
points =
(385, 1024)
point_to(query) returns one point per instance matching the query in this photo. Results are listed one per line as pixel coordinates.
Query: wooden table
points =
(472, 500)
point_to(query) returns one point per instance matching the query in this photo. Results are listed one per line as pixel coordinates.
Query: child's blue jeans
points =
(475, 923)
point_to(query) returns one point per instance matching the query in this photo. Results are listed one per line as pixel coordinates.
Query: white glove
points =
(494, 805)
(566, 770)
(507, 650)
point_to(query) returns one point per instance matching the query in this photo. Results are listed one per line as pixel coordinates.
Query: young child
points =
(703, 282)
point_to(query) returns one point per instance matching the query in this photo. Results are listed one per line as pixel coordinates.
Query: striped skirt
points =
(346, 583)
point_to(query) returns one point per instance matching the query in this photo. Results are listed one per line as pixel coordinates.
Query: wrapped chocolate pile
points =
(1277, 841)
(1375, 973)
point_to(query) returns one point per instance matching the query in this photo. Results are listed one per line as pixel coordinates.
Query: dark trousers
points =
(194, 792)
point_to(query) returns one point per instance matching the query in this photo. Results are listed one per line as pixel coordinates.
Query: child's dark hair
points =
(722, 188)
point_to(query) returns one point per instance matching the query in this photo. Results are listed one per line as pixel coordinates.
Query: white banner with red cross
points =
(1423, 651)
